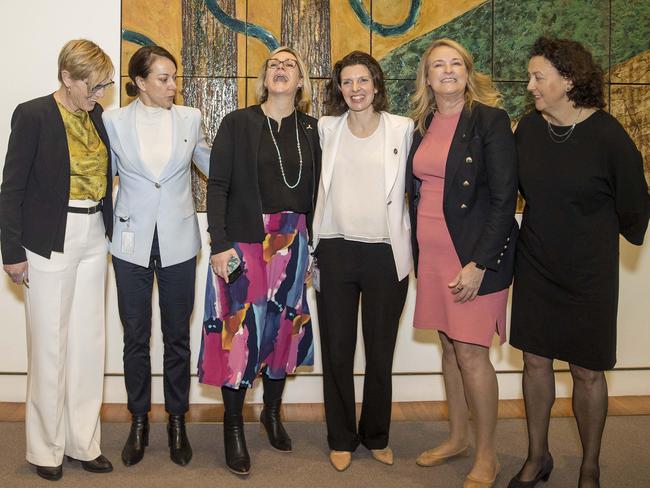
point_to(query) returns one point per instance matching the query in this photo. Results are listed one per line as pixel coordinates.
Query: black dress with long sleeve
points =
(580, 195)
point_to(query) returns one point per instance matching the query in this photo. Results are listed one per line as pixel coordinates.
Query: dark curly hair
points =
(577, 64)
(334, 101)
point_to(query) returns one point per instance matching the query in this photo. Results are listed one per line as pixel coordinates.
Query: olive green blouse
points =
(88, 156)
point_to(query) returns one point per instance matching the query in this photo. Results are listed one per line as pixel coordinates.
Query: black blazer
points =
(36, 181)
(234, 205)
(480, 193)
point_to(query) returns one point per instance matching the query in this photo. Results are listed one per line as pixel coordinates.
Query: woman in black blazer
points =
(264, 166)
(55, 211)
(462, 188)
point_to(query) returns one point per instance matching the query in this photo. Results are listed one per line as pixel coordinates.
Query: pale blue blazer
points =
(144, 202)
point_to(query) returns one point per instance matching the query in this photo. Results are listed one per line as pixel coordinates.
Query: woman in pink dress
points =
(462, 186)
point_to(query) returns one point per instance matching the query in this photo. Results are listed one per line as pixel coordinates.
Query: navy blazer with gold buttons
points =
(480, 193)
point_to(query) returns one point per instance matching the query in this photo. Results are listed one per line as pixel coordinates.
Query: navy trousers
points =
(176, 301)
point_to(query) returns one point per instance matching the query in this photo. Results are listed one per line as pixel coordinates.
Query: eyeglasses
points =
(274, 63)
(98, 87)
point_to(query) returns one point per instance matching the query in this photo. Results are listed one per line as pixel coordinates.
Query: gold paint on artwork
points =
(266, 14)
(160, 21)
(432, 15)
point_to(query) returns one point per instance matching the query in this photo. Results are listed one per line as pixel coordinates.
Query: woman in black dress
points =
(582, 178)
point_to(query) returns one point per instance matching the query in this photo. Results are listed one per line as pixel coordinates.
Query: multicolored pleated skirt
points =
(262, 319)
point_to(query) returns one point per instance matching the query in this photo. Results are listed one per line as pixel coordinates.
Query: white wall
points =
(31, 34)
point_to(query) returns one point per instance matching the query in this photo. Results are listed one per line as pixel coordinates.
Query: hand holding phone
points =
(235, 269)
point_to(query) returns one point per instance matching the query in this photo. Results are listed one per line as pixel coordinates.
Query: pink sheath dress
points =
(474, 322)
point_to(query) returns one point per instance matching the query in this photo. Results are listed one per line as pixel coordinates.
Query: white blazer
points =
(145, 202)
(397, 143)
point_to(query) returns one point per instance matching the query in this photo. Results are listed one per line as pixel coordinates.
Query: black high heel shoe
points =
(50, 473)
(237, 458)
(271, 422)
(543, 475)
(98, 465)
(180, 450)
(138, 439)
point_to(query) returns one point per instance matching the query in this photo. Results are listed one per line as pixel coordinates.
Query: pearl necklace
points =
(275, 143)
(563, 137)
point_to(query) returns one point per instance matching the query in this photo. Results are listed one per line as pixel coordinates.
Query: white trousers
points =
(65, 344)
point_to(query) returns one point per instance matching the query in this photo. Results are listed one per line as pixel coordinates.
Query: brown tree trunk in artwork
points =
(209, 58)
(306, 28)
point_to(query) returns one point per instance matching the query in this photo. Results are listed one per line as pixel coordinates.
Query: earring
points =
(67, 88)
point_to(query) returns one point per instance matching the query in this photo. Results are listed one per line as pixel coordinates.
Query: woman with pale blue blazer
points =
(156, 233)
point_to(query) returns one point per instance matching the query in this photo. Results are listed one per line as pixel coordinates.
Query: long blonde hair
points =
(480, 87)
(303, 95)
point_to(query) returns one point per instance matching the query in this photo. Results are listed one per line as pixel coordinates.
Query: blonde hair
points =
(480, 87)
(86, 61)
(303, 95)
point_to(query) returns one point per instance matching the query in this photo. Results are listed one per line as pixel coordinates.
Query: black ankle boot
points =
(270, 419)
(133, 450)
(270, 415)
(180, 450)
(237, 458)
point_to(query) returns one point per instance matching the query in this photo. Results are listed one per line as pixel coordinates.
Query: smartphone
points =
(235, 269)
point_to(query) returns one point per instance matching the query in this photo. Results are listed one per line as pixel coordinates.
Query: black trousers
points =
(350, 271)
(176, 301)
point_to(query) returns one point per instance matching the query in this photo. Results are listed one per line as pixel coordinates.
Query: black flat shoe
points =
(138, 439)
(542, 475)
(237, 458)
(180, 450)
(50, 473)
(98, 465)
(270, 420)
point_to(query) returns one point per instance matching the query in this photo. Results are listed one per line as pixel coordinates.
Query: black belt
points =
(88, 210)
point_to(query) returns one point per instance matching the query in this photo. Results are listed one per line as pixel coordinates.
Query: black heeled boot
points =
(138, 439)
(237, 458)
(180, 450)
(270, 415)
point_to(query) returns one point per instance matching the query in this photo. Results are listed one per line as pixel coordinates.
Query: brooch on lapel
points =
(308, 127)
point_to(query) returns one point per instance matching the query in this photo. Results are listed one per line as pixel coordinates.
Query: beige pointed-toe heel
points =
(341, 460)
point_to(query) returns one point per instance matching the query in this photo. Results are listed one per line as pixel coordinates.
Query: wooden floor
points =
(313, 412)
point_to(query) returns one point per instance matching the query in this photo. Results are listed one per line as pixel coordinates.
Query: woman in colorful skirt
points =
(264, 164)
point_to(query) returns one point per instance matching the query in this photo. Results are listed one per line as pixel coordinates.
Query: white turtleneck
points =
(154, 129)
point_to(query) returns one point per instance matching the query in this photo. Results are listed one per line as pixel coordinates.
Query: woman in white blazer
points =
(362, 250)
(156, 233)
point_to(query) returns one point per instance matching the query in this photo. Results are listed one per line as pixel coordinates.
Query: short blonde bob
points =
(86, 61)
(480, 87)
(303, 95)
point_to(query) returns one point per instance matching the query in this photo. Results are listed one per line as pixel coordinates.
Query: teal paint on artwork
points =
(471, 29)
(136, 38)
(382, 29)
(237, 25)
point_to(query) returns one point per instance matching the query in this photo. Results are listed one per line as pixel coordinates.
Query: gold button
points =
(462, 205)
(468, 160)
(465, 183)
